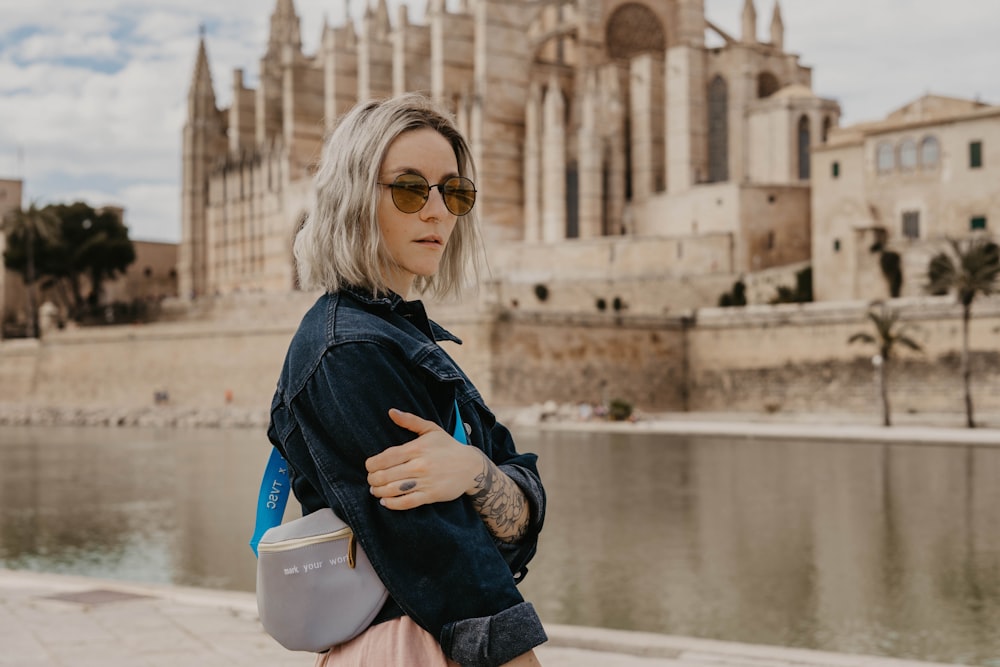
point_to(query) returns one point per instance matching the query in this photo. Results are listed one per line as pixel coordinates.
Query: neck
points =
(400, 284)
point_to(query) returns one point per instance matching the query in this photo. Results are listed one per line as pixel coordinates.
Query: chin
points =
(426, 271)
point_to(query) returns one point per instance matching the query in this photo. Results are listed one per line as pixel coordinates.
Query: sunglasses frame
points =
(396, 187)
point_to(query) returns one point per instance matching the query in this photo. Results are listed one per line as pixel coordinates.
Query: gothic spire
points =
(201, 94)
(749, 22)
(382, 17)
(285, 28)
(777, 28)
(377, 19)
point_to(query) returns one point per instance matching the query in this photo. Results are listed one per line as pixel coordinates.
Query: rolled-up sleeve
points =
(438, 561)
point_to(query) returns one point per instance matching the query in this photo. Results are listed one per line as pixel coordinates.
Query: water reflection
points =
(866, 548)
(869, 548)
(147, 505)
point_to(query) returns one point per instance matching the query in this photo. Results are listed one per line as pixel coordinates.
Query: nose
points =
(434, 207)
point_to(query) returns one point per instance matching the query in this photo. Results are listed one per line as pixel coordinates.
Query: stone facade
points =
(929, 171)
(591, 121)
(151, 277)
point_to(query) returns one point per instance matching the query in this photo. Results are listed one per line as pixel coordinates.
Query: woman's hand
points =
(432, 468)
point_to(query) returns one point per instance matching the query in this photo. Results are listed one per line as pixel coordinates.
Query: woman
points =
(367, 399)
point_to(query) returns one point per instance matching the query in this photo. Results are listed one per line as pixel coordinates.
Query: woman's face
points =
(416, 241)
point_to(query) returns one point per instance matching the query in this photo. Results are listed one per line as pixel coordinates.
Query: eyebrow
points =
(414, 170)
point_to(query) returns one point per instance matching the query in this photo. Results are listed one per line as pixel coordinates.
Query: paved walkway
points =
(61, 621)
(911, 429)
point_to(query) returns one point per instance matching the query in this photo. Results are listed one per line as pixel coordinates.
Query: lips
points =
(432, 240)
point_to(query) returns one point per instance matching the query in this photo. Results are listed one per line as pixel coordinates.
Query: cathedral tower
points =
(204, 144)
(284, 44)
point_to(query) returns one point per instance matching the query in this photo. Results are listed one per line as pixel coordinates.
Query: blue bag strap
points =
(275, 488)
(459, 433)
(273, 496)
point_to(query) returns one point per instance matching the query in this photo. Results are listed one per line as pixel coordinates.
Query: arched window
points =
(804, 148)
(633, 29)
(930, 153)
(885, 157)
(908, 155)
(827, 126)
(767, 85)
(718, 131)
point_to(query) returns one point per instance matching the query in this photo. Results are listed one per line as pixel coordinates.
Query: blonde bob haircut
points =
(340, 243)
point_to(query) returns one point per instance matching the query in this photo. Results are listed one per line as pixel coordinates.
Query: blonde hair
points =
(340, 243)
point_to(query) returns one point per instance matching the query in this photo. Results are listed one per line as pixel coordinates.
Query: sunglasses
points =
(411, 191)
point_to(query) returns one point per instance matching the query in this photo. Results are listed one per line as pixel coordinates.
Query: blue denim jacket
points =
(352, 359)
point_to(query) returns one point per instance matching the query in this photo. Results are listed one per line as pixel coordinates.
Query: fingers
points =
(406, 501)
(394, 456)
(431, 468)
(412, 422)
(402, 495)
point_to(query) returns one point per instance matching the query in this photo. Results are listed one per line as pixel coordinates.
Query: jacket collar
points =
(366, 296)
(408, 309)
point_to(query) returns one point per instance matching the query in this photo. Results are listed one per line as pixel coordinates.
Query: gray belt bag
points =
(316, 587)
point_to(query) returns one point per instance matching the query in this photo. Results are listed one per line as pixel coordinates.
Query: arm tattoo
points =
(501, 503)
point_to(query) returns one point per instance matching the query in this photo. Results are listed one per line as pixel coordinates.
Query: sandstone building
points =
(617, 145)
(928, 171)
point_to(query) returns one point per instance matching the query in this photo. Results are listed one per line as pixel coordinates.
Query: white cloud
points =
(148, 206)
(55, 47)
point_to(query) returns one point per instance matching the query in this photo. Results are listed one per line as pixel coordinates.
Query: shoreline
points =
(913, 428)
(152, 416)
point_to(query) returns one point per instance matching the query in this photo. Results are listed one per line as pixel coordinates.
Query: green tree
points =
(737, 296)
(892, 269)
(970, 268)
(28, 234)
(96, 245)
(90, 248)
(803, 292)
(887, 336)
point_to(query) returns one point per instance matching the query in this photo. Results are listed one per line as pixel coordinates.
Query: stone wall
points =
(788, 358)
(589, 358)
(196, 364)
(796, 358)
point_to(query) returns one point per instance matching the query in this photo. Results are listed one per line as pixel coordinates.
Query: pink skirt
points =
(396, 642)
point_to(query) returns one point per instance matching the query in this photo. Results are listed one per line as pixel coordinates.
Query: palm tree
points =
(31, 225)
(970, 268)
(888, 335)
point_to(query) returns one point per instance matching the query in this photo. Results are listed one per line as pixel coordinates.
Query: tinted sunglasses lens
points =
(409, 193)
(459, 195)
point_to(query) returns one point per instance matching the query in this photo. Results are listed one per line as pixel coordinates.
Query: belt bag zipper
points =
(287, 545)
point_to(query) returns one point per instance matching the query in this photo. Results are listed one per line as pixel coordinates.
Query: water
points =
(863, 547)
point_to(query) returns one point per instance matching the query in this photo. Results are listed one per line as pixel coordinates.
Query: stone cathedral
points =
(629, 151)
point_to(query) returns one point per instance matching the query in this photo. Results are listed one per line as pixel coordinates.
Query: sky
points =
(93, 93)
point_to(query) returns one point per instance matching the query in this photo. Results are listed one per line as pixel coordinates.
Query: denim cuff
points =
(490, 641)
